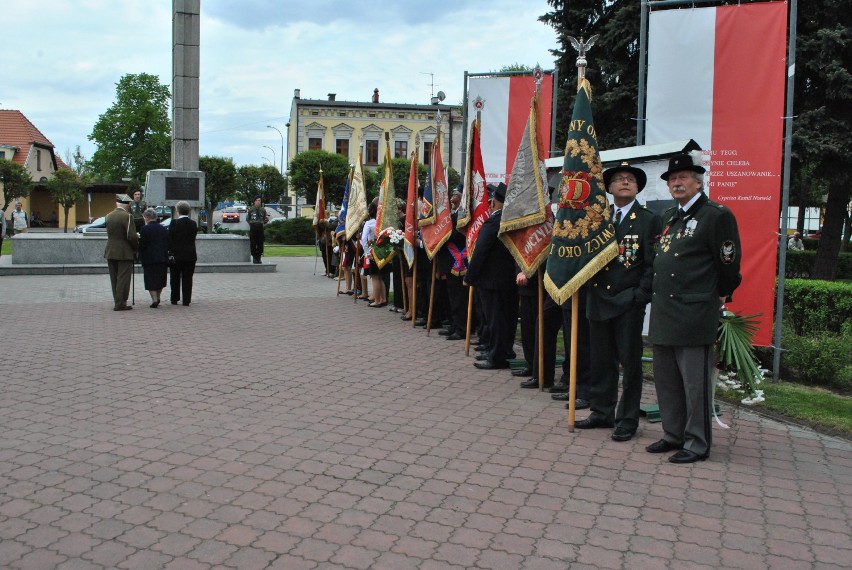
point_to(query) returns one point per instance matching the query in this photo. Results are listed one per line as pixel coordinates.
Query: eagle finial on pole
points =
(582, 47)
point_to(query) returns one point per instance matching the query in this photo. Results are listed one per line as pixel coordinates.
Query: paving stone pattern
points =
(272, 424)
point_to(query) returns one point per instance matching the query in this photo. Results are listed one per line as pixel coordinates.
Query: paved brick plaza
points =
(273, 425)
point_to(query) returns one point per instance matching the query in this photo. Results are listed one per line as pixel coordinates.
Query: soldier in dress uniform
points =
(121, 245)
(616, 300)
(256, 217)
(137, 210)
(696, 270)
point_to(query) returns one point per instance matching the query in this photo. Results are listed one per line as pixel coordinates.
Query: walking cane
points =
(133, 284)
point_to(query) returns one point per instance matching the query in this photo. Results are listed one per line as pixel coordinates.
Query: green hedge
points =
(813, 307)
(799, 264)
(296, 231)
(821, 359)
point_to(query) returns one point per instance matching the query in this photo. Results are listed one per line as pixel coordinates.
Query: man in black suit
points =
(616, 300)
(492, 271)
(182, 232)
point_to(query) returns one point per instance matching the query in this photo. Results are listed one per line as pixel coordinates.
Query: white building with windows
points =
(342, 126)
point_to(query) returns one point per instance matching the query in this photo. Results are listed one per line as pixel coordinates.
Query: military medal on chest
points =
(628, 249)
(690, 227)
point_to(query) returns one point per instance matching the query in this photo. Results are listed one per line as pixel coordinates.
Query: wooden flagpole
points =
(431, 300)
(572, 384)
(469, 319)
(540, 327)
(413, 313)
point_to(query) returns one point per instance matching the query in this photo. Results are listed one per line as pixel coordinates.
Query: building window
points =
(38, 160)
(315, 113)
(400, 115)
(2, 154)
(342, 147)
(371, 114)
(314, 144)
(427, 152)
(372, 149)
(400, 149)
(341, 113)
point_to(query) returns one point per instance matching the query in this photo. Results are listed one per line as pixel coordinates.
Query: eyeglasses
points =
(623, 179)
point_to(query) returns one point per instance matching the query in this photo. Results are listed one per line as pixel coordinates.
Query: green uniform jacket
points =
(122, 239)
(626, 280)
(257, 215)
(697, 262)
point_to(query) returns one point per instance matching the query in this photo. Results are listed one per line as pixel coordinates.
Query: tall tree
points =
(823, 109)
(264, 181)
(613, 65)
(134, 135)
(220, 182)
(66, 189)
(15, 180)
(77, 161)
(304, 174)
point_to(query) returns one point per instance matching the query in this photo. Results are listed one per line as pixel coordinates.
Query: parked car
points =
(96, 227)
(814, 234)
(163, 212)
(230, 215)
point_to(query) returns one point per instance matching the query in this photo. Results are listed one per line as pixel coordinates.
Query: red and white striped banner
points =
(717, 75)
(504, 116)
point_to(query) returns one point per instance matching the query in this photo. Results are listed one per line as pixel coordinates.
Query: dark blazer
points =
(626, 280)
(182, 233)
(697, 262)
(153, 244)
(122, 239)
(492, 266)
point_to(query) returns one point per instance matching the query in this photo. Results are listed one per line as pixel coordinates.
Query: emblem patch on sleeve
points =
(728, 252)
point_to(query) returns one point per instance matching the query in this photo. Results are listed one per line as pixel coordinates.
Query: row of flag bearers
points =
(516, 246)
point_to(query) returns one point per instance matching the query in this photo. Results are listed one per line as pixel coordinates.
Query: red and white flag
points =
(718, 75)
(507, 103)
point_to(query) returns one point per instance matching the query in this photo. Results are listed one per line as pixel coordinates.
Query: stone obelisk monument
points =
(186, 43)
(183, 181)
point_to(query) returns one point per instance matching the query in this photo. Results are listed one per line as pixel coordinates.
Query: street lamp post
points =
(273, 154)
(282, 146)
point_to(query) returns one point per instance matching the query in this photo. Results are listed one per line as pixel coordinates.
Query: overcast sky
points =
(66, 57)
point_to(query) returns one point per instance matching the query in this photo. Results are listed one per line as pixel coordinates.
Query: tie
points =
(617, 217)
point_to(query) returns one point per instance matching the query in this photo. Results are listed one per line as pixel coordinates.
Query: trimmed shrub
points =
(813, 307)
(799, 264)
(296, 231)
(823, 359)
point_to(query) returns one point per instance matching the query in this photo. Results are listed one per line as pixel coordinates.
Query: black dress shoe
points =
(594, 422)
(123, 308)
(559, 388)
(488, 365)
(581, 404)
(404, 318)
(531, 383)
(662, 446)
(525, 371)
(420, 323)
(455, 336)
(686, 456)
(622, 434)
(481, 356)
(559, 396)
(446, 332)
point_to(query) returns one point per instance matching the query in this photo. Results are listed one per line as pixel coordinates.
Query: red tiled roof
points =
(17, 130)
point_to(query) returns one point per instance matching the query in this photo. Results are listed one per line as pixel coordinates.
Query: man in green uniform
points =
(122, 242)
(696, 270)
(137, 208)
(256, 219)
(617, 296)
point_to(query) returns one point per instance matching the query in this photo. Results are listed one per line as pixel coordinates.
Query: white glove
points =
(336, 249)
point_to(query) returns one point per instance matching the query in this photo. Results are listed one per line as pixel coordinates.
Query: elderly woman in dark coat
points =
(153, 255)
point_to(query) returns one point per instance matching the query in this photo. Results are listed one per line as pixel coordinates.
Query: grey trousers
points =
(683, 378)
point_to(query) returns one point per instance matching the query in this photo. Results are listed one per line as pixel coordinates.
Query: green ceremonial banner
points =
(583, 240)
